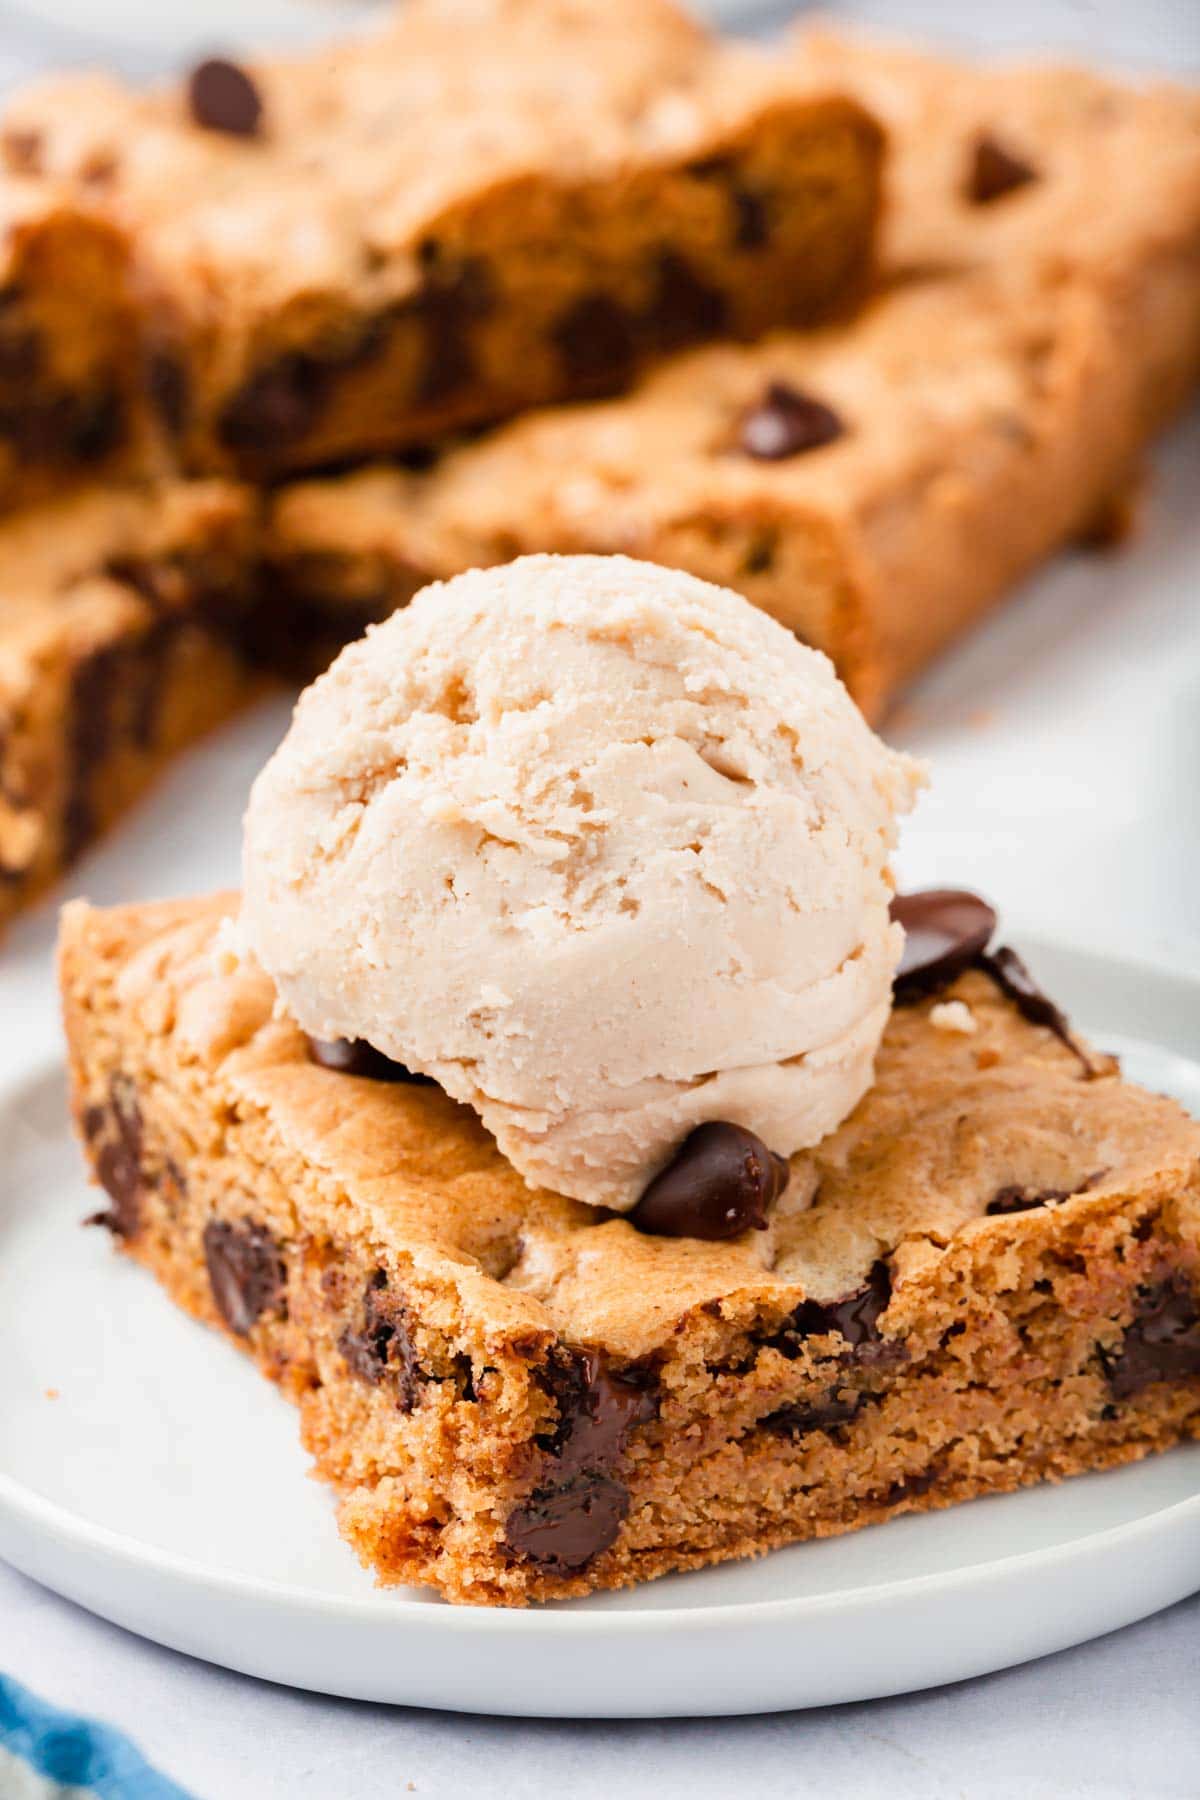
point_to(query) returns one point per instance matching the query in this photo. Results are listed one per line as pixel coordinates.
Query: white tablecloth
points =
(1065, 744)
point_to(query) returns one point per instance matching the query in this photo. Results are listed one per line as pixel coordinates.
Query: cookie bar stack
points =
(868, 417)
(263, 270)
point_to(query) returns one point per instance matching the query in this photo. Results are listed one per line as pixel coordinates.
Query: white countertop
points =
(1064, 744)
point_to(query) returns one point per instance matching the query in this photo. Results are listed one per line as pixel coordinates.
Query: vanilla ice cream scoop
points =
(599, 847)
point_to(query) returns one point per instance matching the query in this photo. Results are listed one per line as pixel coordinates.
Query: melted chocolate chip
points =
(798, 1421)
(21, 349)
(720, 1184)
(562, 1529)
(1036, 1008)
(1019, 1199)
(382, 1347)
(116, 694)
(354, 1056)
(1013, 1199)
(855, 1317)
(222, 97)
(995, 171)
(1162, 1343)
(685, 307)
(245, 1272)
(114, 1135)
(569, 1519)
(597, 1408)
(167, 387)
(751, 218)
(945, 930)
(277, 405)
(786, 422)
(98, 426)
(910, 1488)
(595, 339)
(449, 301)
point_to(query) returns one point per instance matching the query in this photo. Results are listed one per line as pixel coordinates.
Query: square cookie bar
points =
(119, 623)
(874, 485)
(487, 204)
(988, 1276)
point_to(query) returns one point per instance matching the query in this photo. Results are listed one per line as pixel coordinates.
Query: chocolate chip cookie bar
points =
(68, 362)
(989, 1275)
(873, 486)
(488, 204)
(119, 613)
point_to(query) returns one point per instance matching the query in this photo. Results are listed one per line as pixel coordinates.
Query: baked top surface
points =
(364, 142)
(1114, 166)
(929, 368)
(955, 1120)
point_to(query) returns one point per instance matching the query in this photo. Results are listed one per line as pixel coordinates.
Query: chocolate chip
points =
(115, 698)
(568, 1520)
(98, 426)
(354, 1056)
(595, 340)
(597, 1407)
(748, 206)
(911, 1487)
(1013, 1199)
(685, 307)
(222, 97)
(1162, 1343)
(382, 1348)
(760, 554)
(995, 171)
(798, 1421)
(245, 1272)
(945, 929)
(114, 1135)
(855, 1317)
(276, 406)
(1014, 980)
(562, 1529)
(159, 584)
(751, 218)
(721, 1182)
(64, 428)
(1019, 1199)
(787, 422)
(21, 348)
(450, 300)
(167, 387)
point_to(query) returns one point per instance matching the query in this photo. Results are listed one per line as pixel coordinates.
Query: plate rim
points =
(50, 1518)
(24, 1502)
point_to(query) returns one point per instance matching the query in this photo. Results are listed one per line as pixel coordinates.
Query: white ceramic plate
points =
(149, 1473)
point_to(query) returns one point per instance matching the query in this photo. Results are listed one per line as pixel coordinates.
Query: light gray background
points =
(1065, 743)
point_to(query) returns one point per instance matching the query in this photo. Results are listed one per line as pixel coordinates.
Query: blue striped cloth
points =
(46, 1754)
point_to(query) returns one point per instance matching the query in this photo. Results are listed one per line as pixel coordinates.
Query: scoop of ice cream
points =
(599, 847)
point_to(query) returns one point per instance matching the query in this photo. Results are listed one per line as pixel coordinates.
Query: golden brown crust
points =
(991, 1341)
